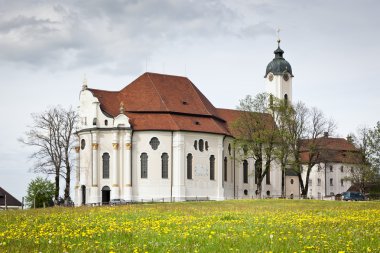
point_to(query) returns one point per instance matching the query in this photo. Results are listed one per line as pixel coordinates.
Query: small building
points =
(334, 162)
(7, 201)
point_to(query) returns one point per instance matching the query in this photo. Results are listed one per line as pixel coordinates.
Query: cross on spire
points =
(278, 36)
(84, 85)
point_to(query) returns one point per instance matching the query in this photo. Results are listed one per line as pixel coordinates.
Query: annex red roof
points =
(331, 150)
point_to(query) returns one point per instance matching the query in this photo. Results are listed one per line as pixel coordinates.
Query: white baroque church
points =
(159, 138)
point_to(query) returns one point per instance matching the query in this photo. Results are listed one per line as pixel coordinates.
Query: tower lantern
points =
(278, 76)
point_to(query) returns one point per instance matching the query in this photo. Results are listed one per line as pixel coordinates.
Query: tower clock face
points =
(270, 77)
(286, 77)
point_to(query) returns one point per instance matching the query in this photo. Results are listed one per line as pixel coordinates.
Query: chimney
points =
(349, 138)
(326, 134)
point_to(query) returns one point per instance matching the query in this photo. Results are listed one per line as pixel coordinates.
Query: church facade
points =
(160, 138)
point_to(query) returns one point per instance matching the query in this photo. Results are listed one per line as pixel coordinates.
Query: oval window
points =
(82, 144)
(154, 142)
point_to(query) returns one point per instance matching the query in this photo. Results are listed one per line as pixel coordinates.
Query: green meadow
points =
(225, 226)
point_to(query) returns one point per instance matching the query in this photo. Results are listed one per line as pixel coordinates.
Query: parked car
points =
(117, 202)
(353, 196)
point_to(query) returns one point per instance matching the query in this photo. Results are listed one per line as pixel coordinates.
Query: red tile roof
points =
(337, 150)
(165, 102)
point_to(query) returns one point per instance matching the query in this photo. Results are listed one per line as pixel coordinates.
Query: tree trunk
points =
(258, 175)
(67, 186)
(301, 184)
(56, 191)
(283, 193)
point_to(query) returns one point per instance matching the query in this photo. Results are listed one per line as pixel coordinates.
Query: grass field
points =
(226, 226)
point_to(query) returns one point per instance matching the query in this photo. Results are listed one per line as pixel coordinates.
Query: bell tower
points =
(278, 76)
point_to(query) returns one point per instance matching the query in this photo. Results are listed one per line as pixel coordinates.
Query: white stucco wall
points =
(324, 174)
(279, 87)
(154, 186)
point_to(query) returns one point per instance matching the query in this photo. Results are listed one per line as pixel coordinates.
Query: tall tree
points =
(317, 127)
(255, 133)
(69, 120)
(282, 113)
(374, 147)
(364, 173)
(40, 193)
(51, 134)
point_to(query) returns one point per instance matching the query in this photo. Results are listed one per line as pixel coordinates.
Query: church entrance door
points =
(106, 195)
(83, 194)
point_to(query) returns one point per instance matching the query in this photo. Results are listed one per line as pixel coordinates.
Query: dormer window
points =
(184, 102)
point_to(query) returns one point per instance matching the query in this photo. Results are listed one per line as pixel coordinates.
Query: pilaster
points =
(115, 191)
(127, 170)
(178, 166)
(219, 165)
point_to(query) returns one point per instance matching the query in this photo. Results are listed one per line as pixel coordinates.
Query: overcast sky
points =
(223, 46)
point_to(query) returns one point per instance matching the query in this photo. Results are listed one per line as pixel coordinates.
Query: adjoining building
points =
(161, 138)
(337, 157)
(7, 201)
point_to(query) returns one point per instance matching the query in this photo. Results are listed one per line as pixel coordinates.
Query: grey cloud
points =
(257, 30)
(92, 33)
(21, 22)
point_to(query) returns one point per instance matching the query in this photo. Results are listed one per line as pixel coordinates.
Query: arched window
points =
(229, 148)
(154, 142)
(286, 98)
(206, 145)
(144, 165)
(106, 122)
(257, 164)
(94, 121)
(195, 144)
(212, 167)
(292, 181)
(200, 145)
(245, 172)
(164, 165)
(106, 165)
(189, 166)
(267, 177)
(225, 168)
